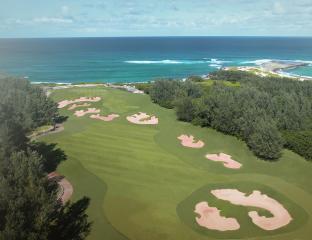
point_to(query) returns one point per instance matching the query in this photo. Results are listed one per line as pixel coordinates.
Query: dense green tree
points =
(50, 154)
(28, 102)
(185, 109)
(12, 133)
(203, 111)
(300, 142)
(286, 105)
(265, 141)
(163, 92)
(27, 199)
(71, 222)
(189, 89)
(195, 78)
(29, 208)
(145, 87)
(23, 107)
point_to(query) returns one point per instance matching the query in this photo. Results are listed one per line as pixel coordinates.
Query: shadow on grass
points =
(87, 184)
(52, 156)
(61, 119)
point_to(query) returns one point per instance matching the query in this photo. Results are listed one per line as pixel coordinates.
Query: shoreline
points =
(252, 69)
(274, 68)
(126, 87)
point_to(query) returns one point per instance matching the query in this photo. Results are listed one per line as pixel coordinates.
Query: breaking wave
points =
(217, 61)
(216, 66)
(167, 61)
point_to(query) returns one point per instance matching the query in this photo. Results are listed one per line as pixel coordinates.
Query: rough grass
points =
(138, 176)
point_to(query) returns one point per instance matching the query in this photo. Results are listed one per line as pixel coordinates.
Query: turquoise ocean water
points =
(69, 60)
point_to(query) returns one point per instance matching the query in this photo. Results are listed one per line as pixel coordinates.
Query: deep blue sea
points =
(68, 60)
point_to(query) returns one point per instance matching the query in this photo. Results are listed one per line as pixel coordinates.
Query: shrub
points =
(185, 109)
(195, 79)
(299, 142)
(163, 92)
(265, 141)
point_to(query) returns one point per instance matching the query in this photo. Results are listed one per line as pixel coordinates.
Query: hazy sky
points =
(91, 18)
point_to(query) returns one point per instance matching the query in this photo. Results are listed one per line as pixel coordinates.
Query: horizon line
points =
(169, 36)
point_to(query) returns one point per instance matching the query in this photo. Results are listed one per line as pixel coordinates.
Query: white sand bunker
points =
(280, 218)
(107, 118)
(189, 141)
(65, 103)
(142, 118)
(74, 106)
(226, 159)
(81, 113)
(210, 218)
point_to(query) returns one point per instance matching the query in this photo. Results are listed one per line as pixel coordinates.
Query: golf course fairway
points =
(144, 185)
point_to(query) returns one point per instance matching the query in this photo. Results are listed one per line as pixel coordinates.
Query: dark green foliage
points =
(185, 109)
(231, 76)
(299, 142)
(27, 199)
(23, 107)
(72, 221)
(145, 87)
(195, 79)
(265, 140)
(12, 133)
(29, 206)
(163, 92)
(203, 111)
(52, 156)
(255, 112)
(189, 89)
(28, 102)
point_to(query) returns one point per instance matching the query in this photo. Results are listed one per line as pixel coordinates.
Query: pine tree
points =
(29, 208)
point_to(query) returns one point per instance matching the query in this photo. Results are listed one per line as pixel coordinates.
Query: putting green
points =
(247, 229)
(140, 177)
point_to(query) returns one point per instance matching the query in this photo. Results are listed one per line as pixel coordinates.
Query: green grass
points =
(248, 229)
(138, 177)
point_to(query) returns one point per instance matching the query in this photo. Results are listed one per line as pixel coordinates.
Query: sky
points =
(95, 18)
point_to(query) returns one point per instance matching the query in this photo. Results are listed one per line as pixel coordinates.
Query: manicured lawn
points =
(143, 183)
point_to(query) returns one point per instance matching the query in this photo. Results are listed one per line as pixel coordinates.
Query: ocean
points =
(139, 59)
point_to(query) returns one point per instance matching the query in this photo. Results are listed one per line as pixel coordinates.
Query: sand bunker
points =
(66, 189)
(142, 118)
(81, 113)
(188, 141)
(226, 159)
(74, 106)
(210, 218)
(280, 218)
(107, 118)
(65, 103)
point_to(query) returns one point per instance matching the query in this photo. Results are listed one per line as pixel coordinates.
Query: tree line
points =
(268, 113)
(29, 205)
